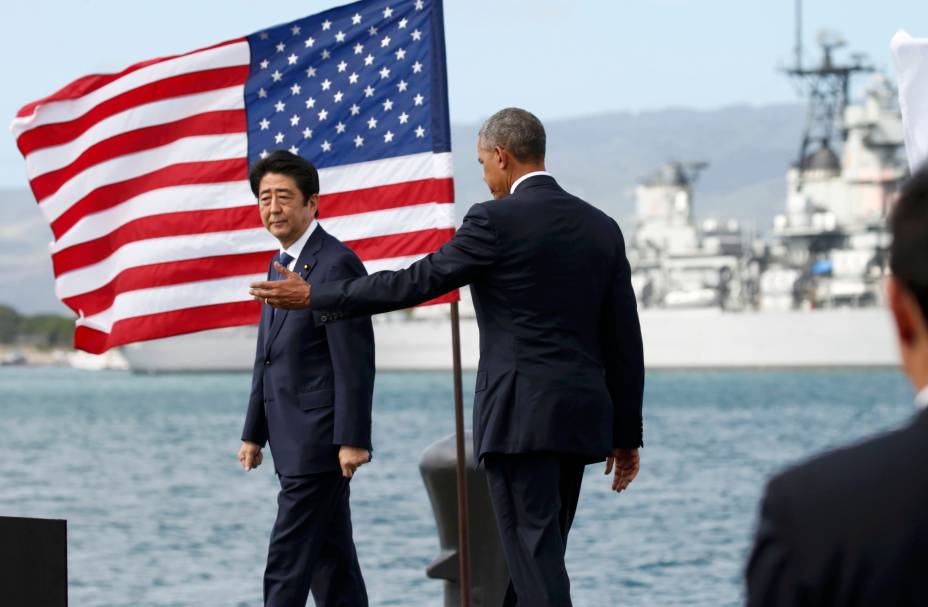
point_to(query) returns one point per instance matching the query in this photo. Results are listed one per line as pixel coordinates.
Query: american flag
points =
(142, 175)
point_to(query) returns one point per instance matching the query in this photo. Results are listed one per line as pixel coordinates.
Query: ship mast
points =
(826, 87)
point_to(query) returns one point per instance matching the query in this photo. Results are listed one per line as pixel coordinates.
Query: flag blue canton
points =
(351, 84)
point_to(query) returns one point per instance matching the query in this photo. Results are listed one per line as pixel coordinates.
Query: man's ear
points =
(313, 203)
(903, 306)
(502, 157)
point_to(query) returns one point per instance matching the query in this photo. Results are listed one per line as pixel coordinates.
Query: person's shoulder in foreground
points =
(851, 527)
(844, 527)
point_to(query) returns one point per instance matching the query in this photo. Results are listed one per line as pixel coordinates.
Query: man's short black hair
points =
(287, 163)
(516, 130)
(909, 250)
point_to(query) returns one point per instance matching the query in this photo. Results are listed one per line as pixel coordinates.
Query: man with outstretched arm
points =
(561, 374)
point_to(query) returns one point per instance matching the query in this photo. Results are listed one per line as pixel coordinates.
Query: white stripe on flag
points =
(413, 167)
(392, 263)
(174, 199)
(176, 248)
(390, 221)
(46, 160)
(175, 297)
(68, 109)
(162, 250)
(207, 292)
(189, 149)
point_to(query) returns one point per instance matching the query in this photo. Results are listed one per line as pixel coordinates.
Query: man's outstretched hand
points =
(290, 293)
(626, 462)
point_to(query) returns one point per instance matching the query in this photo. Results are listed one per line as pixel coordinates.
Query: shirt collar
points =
(516, 183)
(296, 248)
(921, 399)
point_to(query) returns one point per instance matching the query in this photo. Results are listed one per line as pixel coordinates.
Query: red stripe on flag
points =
(448, 297)
(187, 173)
(379, 198)
(210, 123)
(404, 244)
(166, 324)
(88, 84)
(171, 273)
(58, 133)
(181, 223)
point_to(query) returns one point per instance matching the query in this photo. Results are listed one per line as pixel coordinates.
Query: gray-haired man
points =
(560, 379)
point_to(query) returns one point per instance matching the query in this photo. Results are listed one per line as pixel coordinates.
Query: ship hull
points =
(673, 339)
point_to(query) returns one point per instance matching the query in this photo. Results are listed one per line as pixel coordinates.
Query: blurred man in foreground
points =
(310, 398)
(851, 527)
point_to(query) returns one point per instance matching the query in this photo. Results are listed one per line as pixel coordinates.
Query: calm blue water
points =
(159, 513)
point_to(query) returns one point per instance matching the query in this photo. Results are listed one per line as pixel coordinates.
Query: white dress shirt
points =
(515, 183)
(921, 399)
(296, 248)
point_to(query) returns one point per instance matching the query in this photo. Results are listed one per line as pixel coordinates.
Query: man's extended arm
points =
(457, 263)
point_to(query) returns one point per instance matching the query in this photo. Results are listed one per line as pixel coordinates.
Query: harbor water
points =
(160, 514)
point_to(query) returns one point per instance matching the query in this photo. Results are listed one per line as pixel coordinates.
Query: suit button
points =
(324, 318)
(267, 363)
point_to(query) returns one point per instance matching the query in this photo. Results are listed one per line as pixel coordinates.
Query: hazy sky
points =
(556, 58)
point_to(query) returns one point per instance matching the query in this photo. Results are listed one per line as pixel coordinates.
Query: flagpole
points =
(463, 549)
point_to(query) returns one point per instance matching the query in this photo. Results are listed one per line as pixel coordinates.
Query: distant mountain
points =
(26, 279)
(599, 158)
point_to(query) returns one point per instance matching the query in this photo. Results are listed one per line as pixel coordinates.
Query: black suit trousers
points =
(535, 498)
(311, 545)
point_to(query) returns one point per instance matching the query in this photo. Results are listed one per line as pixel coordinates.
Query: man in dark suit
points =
(310, 398)
(560, 379)
(851, 527)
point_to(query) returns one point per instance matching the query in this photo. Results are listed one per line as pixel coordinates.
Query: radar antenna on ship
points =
(826, 87)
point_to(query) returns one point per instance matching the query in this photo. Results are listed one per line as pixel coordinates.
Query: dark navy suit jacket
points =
(847, 528)
(561, 366)
(312, 384)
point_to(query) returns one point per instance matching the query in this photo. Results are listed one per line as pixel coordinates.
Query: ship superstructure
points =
(827, 249)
